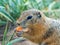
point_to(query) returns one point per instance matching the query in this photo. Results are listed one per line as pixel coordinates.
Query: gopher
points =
(41, 29)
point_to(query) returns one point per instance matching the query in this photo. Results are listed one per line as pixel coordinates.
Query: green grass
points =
(5, 32)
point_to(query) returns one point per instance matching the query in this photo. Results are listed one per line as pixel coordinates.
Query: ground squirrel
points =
(42, 30)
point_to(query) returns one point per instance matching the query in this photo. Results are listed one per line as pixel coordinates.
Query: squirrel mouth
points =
(20, 30)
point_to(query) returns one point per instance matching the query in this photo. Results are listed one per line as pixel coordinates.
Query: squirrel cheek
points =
(25, 30)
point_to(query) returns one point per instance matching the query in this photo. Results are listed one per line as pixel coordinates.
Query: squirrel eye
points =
(29, 17)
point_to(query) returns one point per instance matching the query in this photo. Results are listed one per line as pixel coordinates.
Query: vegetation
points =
(10, 10)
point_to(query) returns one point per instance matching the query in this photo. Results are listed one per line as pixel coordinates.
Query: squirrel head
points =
(34, 20)
(30, 17)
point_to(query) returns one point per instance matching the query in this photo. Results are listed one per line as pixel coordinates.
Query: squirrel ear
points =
(39, 15)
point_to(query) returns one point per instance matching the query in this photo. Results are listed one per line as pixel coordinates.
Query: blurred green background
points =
(10, 10)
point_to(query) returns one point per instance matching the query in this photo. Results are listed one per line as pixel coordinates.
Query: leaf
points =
(16, 40)
(2, 23)
(5, 32)
(6, 15)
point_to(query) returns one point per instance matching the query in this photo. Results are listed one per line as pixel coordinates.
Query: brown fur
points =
(39, 28)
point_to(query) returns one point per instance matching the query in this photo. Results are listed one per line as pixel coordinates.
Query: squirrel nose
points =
(18, 23)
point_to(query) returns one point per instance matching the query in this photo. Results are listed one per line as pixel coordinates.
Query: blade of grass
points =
(16, 40)
(2, 23)
(6, 15)
(5, 32)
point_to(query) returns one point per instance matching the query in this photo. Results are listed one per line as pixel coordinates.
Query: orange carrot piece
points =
(19, 28)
